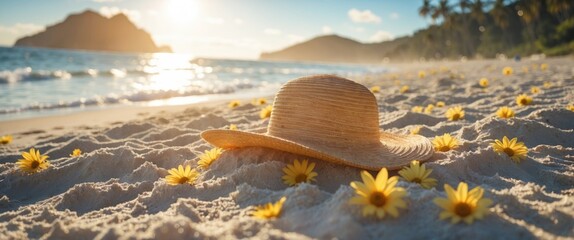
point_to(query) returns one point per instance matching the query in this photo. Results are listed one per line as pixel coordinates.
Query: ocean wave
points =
(29, 75)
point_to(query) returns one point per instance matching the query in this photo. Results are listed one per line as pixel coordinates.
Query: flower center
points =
(455, 116)
(416, 180)
(509, 151)
(301, 178)
(183, 180)
(523, 101)
(378, 199)
(462, 209)
(444, 148)
(35, 164)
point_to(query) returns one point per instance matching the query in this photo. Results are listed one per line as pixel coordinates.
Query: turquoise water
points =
(36, 81)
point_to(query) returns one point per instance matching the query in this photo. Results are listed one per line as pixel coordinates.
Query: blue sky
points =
(227, 28)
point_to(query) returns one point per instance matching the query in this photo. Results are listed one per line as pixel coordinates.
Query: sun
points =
(182, 11)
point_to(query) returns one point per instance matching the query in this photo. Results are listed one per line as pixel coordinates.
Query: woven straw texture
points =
(329, 118)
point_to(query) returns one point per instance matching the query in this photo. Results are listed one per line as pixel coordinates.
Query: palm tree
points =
(559, 8)
(499, 14)
(425, 9)
(476, 11)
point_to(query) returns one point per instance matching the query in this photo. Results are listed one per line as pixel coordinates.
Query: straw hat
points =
(329, 118)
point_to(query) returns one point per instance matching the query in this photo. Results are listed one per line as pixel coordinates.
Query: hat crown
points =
(327, 109)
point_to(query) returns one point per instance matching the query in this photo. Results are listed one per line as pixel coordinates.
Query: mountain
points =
(91, 31)
(334, 48)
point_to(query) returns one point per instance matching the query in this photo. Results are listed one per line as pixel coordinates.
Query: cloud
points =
(365, 16)
(381, 36)
(394, 15)
(272, 31)
(238, 21)
(133, 15)
(215, 21)
(327, 30)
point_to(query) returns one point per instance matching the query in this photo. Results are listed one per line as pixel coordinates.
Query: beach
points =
(116, 189)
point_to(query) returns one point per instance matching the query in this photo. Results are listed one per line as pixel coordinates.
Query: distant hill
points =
(91, 31)
(334, 48)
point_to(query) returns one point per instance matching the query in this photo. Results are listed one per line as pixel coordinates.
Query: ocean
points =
(37, 82)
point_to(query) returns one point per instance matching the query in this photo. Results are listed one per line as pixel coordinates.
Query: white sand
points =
(116, 189)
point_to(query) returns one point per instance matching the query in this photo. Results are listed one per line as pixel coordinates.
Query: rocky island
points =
(91, 31)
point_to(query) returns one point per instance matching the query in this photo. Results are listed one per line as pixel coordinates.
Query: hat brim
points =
(393, 151)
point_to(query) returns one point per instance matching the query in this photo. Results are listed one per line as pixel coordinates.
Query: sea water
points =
(36, 82)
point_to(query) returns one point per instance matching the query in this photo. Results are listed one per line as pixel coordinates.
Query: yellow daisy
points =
(375, 89)
(429, 108)
(535, 90)
(463, 204)
(404, 89)
(422, 74)
(259, 101)
(514, 149)
(232, 127)
(505, 112)
(523, 100)
(208, 157)
(570, 107)
(33, 161)
(378, 196)
(299, 172)
(76, 153)
(445, 143)
(507, 71)
(418, 173)
(234, 104)
(483, 82)
(6, 139)
(266, 112)
(547, 84)
(269, 210)
(415, 130)
(440, 104)
(417, 109)
(180, 175)
(543, 67)
(455, 113)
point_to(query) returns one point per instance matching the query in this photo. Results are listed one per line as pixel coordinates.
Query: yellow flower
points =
(266, 112)
(378, 196)
(445, 143)
(299, 172)
(418, 173)
(547, 84)
(507, 71)
(232, 127)
(415, 130)
(454, 114)
(180, 175)
(463, 204)
(440, 104)
(6, 139)
(404, 89)
(259, 101)
(543, 67)
(523, 100)
(422, 74)
(375, 89)
(429, 108)
(269, 210)
(483, 82)
(514, 149)
(417, 109)
(505, 112)
(76, 153)
(570, 107)
(534, 90)
(208, 157)
(33, 161)
(234, 104)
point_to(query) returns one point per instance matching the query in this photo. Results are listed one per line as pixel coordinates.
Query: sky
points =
(237, 29)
